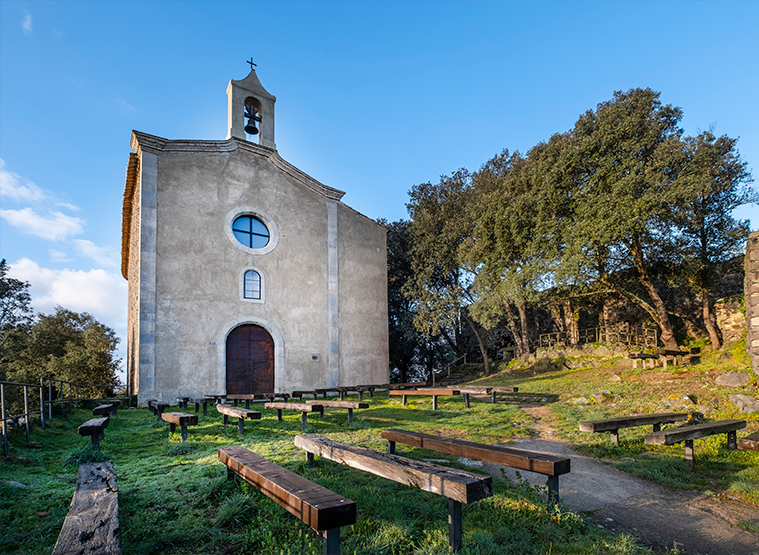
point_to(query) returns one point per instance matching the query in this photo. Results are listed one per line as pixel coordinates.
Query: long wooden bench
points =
(688, 433)
(240, 414)
(749, 443)
(458, 486)
(642, 357)
(104, 410)
(350, 405)
(550, 466)
(434, 392)
(303, 408)
(180, 419)
(95, 429)
(92, 523)
(201, 401)
(157, 407)
(256, 398)
(299, 394)
(466, 390)
(321, 509)
(613, 425)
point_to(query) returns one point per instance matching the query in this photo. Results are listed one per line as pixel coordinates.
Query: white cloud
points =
(54, 226)
(15, 187)
(26, 24)
(124, 108)
(105, 256)
(58, 256)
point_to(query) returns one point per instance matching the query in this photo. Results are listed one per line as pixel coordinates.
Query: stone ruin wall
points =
(751, 292)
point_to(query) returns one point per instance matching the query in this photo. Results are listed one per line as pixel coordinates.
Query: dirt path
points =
(659, 517)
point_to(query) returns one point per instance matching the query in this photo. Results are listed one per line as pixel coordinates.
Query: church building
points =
(245, 274)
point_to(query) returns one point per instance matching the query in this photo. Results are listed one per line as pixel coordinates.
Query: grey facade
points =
(322, 274)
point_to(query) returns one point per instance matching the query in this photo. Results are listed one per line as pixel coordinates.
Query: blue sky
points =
(373, 97)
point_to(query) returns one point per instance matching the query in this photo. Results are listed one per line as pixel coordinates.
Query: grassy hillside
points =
(174, 498)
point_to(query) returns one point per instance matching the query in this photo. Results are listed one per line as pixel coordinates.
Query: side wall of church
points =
(133, 305)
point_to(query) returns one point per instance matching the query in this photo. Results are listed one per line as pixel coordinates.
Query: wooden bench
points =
(215, 397)
(689, 433)
(157, 407)
(666, 353)
(95, 429)
(407, 385)
(458, 486)
(435, 393)
(92, 523)
(256, 398)
(550, 466)
(300, 394)
(180, 419)
(466, 390)
(613, 425)
(355, 389)
(323, 391)
(201, 401)
(324, 511)
(182, 402)
(350, 405)
(749, 443)
(240, 414)
(104, 410)
(635, 357)
(303, 408)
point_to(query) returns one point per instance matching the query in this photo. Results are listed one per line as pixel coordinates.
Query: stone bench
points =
(434, 393)
(303, 408)
(321, 509)
(180, 419)
(458, 486)
(240, 414)
(92, 523)
(95, 428)
(550, 466)
(613, 425)
(749, 443)
(350, 405)
(689, 433)
(105, 410)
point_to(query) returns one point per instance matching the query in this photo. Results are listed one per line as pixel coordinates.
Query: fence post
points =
(50, 399)
(42, 402)
(71, 394)
(5, 426)
(26, 413)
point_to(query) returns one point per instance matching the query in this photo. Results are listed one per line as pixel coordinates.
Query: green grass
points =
(174, 498)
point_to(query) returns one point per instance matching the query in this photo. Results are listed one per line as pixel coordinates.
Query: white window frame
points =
(241, 281)
(258, 214)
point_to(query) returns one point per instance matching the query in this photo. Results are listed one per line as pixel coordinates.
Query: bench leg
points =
(234, 402)
(230, 474)
(197, 408)
(350, 416)
(172, 427)
(95, 439)
(331, 541)
(455, 525)
(553, 489)
(184, 434)
(247, 404)
(226, 420)
(114, 410)
(360, 396)
(405, 397)
(391, 447)
(614, 437)
(434, 402)
(303, 420)
(657, 427)
(664, 362)
(732, 440)
(466, 400)
(310, 458)
(635, 363)
(240, 426)
(205, 409)
(689, 451)
(279, 415)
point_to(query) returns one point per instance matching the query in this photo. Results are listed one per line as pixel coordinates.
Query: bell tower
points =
(250, 111)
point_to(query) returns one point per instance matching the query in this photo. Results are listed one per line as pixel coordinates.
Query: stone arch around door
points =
(221, 349)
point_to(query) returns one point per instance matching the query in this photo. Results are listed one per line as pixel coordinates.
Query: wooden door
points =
(250, 360)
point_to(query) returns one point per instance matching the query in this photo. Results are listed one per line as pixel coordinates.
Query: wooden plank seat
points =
(104, 410)
(551, 466)
(95, 428)
(180, 419)
(321, 509)
(256, 398)
(458, 486)
(303, 408)
(240, 414)
(750, 442)
(407, 385)
(434, 392)
(689, 433)
(92, 523)
(613, 425)
(324, 391)
(350, 405)
(299, 394)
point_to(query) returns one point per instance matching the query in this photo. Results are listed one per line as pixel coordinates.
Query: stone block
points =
(745, 404)
(732, 379)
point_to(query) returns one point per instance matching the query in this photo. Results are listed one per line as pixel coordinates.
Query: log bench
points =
(300, 394)
(157, 407)
(92, 523)
(240, 414)
(613, 425)
(435, 393)
(180, 419)
(323, 391)
(343, 391)
(635, 357)
(104, 410)
(324, 511)
(201, 401)
(182, 402)
(350, 405)
(256, 398)
(303, 408)
(466, 390)
(215, 397)
(95, 429)
(666, 353)
(749, 443)
(458, 486)
(688, 433)
(550, 466)
(407, 385)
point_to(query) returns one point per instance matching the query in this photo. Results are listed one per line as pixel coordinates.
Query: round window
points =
(250, 232)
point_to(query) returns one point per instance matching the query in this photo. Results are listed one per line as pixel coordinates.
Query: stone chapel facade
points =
(245, 274)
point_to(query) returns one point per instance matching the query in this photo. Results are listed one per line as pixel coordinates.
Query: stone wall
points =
(751, 288)
(730, 318)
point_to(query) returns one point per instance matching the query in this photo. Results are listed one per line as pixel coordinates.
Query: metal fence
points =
(644, 338)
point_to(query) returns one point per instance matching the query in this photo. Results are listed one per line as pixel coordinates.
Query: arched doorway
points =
(249, 360)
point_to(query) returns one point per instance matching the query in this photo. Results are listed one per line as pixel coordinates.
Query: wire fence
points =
(644, 338)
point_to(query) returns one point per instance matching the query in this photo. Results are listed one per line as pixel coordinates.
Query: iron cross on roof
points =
(251, 63)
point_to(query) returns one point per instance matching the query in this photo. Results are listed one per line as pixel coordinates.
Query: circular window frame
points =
(263, 217)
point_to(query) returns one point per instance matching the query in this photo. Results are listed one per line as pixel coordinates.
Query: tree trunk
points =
(522, 308)
(512, 326)
(709, 318)
(570, 324)
(483, 351)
